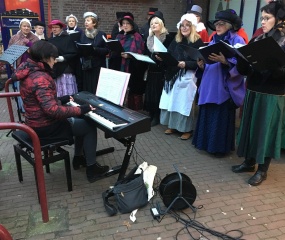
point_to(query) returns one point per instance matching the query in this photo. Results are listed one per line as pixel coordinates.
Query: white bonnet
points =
(190, 17)
(90, 14)
(71, 16)
(25, 20)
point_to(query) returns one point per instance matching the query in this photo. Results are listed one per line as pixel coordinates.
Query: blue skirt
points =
(215, 128)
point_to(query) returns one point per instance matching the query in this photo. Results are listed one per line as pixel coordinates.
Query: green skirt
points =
(262, 129)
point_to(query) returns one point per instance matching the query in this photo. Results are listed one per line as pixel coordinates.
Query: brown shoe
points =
(186, 136)
(169, 131)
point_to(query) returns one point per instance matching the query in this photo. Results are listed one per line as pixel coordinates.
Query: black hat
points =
(228, 15)
(38, 23)
(152, 10)
(238, 21)
(158, 14)
(129, 17)
(120, 15)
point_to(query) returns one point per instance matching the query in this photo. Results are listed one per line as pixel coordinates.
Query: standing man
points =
(145, 28)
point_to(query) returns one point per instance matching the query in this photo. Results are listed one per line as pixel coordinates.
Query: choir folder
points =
(258, 53)
(261, 52)
(160, 50)
(85, 49)
(114, 45)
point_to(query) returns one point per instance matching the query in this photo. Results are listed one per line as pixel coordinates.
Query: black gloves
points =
(64, 99)
(85, 108)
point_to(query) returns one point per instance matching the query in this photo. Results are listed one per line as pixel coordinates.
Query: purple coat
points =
(220, 82)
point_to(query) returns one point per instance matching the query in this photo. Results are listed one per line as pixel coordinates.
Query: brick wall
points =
(106, 9)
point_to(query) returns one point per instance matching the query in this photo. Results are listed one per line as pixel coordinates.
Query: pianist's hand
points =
(85, 108)
(64, 99)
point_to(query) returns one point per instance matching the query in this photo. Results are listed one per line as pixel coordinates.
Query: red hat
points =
(56, 22)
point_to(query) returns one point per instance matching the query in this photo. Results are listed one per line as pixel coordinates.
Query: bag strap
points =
(110, 208)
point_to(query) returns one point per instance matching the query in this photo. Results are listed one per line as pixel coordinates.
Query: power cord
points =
(200, 228)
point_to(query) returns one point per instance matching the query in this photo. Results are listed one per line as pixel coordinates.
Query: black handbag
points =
(130, 194)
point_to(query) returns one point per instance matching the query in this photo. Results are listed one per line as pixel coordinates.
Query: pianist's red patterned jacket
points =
(38, 91)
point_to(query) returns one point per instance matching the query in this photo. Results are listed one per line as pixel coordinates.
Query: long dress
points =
(64, 72)
(262, 133)
(90, 76)
(179, 90)
(132, 42)
(222, 89)
(155, 78)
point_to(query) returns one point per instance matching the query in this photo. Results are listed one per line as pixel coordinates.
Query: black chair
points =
(50, 153)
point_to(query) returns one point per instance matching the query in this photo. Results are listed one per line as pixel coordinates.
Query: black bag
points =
(130, 194)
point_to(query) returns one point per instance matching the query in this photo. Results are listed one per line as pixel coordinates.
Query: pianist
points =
(48, 117)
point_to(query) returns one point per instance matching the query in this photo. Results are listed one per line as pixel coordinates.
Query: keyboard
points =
(115, 120)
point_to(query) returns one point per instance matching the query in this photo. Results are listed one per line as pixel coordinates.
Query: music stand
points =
(9, 56)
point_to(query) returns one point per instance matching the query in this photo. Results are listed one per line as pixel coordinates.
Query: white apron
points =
(181, 96)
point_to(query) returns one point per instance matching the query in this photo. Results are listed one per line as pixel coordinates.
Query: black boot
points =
(257, 178)
(261, 173)
(78, 161)
(247, 166)
(95, 172)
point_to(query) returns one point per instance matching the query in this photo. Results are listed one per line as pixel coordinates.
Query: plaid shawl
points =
(131, 42)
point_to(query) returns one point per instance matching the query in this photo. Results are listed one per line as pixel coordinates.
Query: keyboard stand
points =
(128, 142)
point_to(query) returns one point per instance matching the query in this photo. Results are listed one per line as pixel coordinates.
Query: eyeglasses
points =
(264, 18)
(185, 26)
(219, 24)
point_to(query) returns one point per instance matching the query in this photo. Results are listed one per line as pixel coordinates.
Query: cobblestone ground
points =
(229, 203)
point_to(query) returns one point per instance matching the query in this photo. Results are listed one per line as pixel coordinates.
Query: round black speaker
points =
(170, 189)
(170, 177)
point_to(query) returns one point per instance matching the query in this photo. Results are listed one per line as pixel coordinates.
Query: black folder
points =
(75, 36)
(85, 50)
(114, 45)
(263, 51)
(193, 53)
(167, 58)
(227, 50)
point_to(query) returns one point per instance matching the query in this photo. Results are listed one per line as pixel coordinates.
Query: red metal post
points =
(4, 234)
(37, 151)
(49, 16)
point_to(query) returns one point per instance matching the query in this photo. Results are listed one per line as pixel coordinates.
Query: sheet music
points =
(158, 46)
(112, 85)
(141, 57)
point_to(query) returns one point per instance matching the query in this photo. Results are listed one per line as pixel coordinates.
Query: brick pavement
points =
(228, 201)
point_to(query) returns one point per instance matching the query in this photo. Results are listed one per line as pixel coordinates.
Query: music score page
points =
(112, 85)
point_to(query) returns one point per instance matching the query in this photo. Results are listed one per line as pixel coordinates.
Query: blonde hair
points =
(193, 37)
(160, 22)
